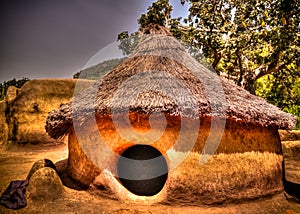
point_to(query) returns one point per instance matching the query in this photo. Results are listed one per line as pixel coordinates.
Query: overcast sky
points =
(55, 39)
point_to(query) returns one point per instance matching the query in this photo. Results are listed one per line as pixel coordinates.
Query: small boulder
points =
(40, 164)
(45, 184)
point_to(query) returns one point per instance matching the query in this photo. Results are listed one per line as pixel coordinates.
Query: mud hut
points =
(216, 141)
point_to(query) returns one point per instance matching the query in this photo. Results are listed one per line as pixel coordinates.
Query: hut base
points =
(250, 170)
(225, 177)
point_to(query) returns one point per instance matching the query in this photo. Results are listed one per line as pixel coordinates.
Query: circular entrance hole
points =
(143, 170)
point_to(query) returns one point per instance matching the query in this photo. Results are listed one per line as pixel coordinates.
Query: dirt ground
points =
(16, 161)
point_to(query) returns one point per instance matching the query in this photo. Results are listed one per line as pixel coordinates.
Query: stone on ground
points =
(45, 184)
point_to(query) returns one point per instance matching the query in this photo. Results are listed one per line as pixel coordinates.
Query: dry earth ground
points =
(16, 161)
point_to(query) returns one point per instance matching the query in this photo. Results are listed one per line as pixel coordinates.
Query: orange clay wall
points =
(248, 153)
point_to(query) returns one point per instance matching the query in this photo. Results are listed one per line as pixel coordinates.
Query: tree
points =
(253, 42)
(158, 13)
(127, 42)
(282, 89)
(234, 35)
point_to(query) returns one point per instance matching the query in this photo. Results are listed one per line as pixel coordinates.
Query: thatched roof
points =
(161, 76)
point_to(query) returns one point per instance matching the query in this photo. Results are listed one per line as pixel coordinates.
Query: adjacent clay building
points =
(24, 110)
(217, 141)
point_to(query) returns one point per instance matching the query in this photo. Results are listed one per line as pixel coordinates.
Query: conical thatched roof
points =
(157, 72)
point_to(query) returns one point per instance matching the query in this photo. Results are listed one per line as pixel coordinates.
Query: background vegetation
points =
(96, 71)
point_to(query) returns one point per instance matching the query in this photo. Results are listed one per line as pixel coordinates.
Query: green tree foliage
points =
(252, 41)
(127, 42)
(158, 13)
(17, 83)
(233, 35)
(282, 89)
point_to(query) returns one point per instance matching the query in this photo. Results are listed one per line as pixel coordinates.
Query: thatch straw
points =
(158, 58)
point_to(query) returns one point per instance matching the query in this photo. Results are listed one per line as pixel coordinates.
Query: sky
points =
(55, 39)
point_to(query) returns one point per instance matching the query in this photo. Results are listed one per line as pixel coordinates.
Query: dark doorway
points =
(143, 170)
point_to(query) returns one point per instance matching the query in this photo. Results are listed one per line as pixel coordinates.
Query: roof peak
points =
(156, 29)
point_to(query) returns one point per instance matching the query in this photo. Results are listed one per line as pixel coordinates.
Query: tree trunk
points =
(249, 82)
(249, 85)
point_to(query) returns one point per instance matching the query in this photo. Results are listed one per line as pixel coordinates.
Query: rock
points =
(45, 185)
(40, 164)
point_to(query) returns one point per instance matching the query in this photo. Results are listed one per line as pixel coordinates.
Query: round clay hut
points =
(212, 140)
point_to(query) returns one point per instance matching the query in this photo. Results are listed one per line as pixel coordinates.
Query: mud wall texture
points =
(246, 165)
(24, 111)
